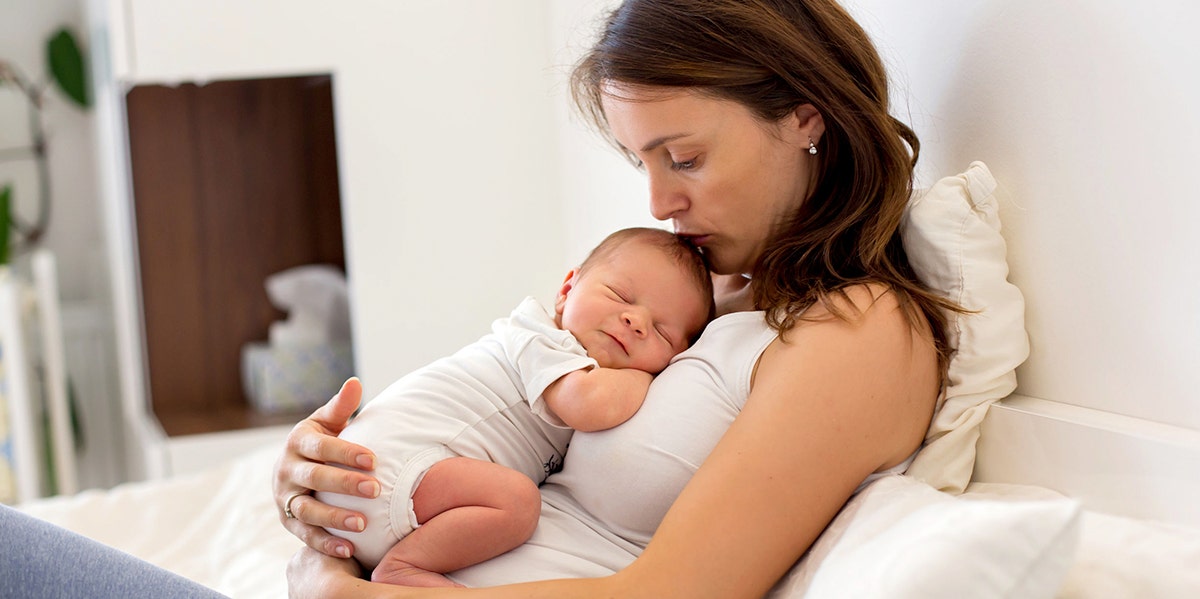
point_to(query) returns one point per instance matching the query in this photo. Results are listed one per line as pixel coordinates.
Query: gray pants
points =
(40, 560)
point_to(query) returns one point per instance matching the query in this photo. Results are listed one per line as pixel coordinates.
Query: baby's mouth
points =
(618, 342)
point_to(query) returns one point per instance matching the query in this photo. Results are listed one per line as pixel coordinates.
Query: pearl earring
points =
(812, 147)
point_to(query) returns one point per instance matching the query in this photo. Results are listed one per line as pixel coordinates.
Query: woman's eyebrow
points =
(662, 140)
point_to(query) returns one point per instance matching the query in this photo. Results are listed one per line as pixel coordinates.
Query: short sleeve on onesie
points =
(540, 352)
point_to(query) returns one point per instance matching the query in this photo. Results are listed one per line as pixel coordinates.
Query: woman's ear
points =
(808, 123)
(561, 299)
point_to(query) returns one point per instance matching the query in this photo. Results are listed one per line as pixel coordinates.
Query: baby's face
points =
(637, 309)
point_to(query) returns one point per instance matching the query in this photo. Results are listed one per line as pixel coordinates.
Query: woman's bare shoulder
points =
(872, 366)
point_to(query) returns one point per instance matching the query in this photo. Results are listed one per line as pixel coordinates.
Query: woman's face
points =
(722, 176)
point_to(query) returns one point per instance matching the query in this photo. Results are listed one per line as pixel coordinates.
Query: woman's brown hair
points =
(774, 56)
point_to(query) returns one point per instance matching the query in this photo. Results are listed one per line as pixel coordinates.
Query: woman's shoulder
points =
(859, 348)
(860, 304)
(872, 317)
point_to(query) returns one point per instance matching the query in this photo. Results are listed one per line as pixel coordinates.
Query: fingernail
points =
(355, 524)
(369, 489)
(342, 551)
(365, 462)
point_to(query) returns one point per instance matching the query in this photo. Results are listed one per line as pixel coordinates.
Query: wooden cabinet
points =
(232, 181)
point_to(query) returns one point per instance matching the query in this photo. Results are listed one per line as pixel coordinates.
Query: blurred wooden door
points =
(233, 181)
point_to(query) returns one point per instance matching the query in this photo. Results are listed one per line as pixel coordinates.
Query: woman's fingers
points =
(309, 510)
(337, 411)
(318, 538)
(308, 441)
(315, 437)
(319, 477)
(302, 469)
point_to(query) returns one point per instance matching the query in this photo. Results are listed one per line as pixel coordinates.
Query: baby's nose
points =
(636, 322)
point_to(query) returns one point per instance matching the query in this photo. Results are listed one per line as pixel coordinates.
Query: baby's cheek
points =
(603, 358)
(659, 360)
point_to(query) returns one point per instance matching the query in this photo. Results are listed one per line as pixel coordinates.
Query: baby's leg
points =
(470, 511)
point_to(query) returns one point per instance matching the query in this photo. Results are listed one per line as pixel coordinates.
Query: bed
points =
(218, 527)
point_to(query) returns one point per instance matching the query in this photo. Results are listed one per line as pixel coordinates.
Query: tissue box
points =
(294, 377)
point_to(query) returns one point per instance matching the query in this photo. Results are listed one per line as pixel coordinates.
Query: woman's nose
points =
(666, 197)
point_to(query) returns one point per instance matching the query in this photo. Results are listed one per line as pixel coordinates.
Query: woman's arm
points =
(833, 403)
(596, 399)
(830, 405)
(301, 469)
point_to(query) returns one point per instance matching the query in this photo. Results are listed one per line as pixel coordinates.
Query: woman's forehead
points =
(638, 120)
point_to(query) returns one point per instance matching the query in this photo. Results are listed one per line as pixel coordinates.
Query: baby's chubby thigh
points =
(390, 516)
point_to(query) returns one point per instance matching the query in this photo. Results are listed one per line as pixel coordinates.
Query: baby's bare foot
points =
(408, 575)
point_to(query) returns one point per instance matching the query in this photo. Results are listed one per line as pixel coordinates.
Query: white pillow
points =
(952, 236)
(900, 538)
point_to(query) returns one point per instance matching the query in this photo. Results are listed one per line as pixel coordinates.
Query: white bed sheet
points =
(1120, 557)
(219, 528)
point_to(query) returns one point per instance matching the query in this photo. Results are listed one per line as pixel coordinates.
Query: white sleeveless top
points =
(600, 511)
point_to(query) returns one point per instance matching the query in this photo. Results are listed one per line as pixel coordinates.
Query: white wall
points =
(600, 191)
(461, 160)
(1085, 112)
(447, 159)
(24, 29)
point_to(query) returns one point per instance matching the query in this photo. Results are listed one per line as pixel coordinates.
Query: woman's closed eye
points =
(683, 165)
(684, 159)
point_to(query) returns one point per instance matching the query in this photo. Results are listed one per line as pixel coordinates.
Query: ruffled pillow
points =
(952, 236)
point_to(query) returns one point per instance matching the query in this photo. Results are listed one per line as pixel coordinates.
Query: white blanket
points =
(218, 527)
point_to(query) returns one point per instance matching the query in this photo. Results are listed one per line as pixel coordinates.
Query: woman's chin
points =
(719, 267)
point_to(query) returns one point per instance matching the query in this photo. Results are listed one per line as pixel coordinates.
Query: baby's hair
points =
(684, 253)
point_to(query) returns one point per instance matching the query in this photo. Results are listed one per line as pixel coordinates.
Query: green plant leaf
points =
(5, 202)
(67, 67)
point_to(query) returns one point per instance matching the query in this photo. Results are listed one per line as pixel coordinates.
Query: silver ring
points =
(287, 505)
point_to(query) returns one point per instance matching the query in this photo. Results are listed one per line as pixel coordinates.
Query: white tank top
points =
(627, 477)
(615, 487)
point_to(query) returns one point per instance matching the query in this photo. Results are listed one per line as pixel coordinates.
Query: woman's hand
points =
(302, 469)
(314, 574)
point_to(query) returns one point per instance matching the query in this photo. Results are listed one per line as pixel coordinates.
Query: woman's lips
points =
(696, 240)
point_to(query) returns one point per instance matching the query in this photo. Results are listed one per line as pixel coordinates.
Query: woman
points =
(763, 129)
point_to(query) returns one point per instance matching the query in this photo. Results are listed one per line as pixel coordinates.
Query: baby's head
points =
(642, 296)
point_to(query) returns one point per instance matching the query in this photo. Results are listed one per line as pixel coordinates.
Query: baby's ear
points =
(561, 299)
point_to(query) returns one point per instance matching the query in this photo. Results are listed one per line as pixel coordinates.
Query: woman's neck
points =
(732, 294)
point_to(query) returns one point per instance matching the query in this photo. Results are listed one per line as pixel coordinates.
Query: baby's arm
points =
(594, 399)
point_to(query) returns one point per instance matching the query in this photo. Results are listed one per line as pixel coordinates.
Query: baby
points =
(463, 443)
